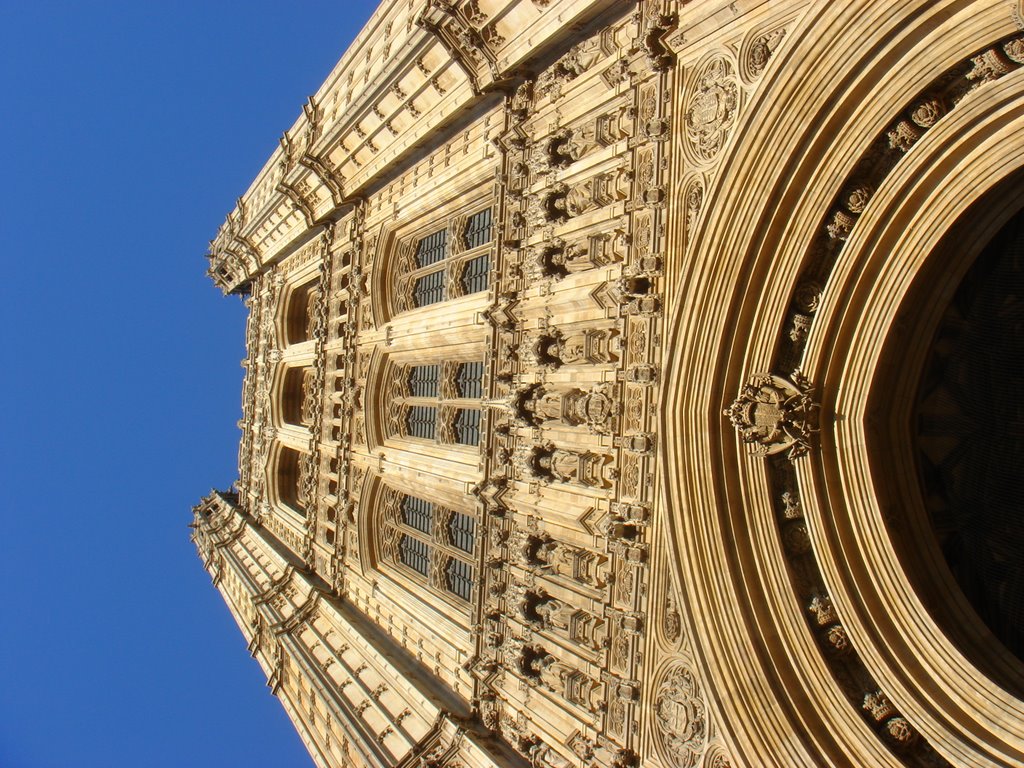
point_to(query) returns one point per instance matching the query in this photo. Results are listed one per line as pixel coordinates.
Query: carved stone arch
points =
(368, 530)
(294, 321)
(291, 388)
(375, 404)
(797, 598)
(381, 287)
(284, 479)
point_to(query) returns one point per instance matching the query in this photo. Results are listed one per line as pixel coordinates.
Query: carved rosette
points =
(680, 717)
(773, 414)
(711, 110)
(759, 51)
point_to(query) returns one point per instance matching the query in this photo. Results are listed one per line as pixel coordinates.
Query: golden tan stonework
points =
(585, 357)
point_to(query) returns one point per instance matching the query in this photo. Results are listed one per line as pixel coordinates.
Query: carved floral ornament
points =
(773, 414)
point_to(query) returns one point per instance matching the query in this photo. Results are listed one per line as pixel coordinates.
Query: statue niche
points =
(559, 259)
(568, 146)
(537, 404)
(548, 613)
(566, 201)
(588, 346)
(574, 686)
(580, 565)
(549, 463)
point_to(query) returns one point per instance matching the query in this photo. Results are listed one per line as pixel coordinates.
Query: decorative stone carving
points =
(553, 615)
(656, 27)
(584, 468)
(671, 622)
(711, 110)
(568, 201)
(773, 414)
(680, 717)
(537, 404)
(761, 50)
(545, 554)
(574, 63)
(560, 259)
(559, 677)
(587, 346)
(895, 729)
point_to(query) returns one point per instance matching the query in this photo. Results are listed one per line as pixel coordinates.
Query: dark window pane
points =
(423, 380)
(460, 578)
(432, 248)
(469, 380)
(421, 421)
(429, 289)
(476, 274)
(415, 554)
(462, 531)
(467, 427)
(478, 229)
(417, 513)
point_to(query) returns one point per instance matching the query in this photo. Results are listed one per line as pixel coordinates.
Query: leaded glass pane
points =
(432, 248)
(476, 273)
(478, 229)
(469, 380)
(429, 289)
(460, 578)
(417, 513)
(423, 380)
(467, 427)
(421, 421)
(415, 554)
(462, 531)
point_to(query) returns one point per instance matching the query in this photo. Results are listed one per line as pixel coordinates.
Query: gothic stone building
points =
(638, 383)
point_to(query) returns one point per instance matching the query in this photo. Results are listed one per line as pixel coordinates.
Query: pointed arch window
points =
(447, 263)
(430, 544)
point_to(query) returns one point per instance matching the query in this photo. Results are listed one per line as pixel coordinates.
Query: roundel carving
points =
(681, 729)
(711, 110)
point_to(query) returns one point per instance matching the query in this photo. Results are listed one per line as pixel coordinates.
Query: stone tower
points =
(603, 403)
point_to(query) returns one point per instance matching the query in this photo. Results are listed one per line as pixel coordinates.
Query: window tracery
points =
(438, 402)
(430, 544)
(439, 266)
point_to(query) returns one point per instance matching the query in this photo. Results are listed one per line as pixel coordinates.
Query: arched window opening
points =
(437, 267)
(300, 314)
(291, 479)
(434, 402)
(297, 397)
(431, 544)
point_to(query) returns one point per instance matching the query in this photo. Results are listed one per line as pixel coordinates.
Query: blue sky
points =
(127, 130)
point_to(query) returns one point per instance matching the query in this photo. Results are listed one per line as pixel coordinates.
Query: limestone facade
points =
(583, 353)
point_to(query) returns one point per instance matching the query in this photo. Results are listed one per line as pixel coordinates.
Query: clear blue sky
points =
(127, 130)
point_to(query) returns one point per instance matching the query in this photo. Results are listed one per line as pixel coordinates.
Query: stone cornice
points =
(397, 83)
